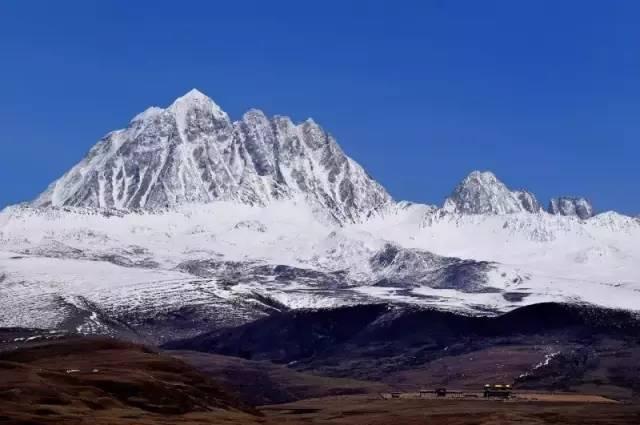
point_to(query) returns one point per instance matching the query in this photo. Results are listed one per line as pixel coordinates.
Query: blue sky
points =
(544, 93)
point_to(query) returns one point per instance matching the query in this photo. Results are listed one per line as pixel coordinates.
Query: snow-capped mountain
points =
(192, 152)
(186, 220)
(483, 193)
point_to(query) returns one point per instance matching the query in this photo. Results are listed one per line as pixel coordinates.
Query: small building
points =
(441, 392)
(497, 390)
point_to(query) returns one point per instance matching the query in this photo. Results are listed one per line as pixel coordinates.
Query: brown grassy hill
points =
(261, 382)
(71, 380)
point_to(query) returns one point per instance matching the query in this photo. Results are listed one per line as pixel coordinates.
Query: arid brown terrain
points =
(107, 382)
(354, 365)
(261, 383)
(363, 410)
(102, 381)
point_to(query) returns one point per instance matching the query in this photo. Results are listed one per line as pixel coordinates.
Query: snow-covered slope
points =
(185, 221)
(227, 262)
(191, 152)
(207, 253)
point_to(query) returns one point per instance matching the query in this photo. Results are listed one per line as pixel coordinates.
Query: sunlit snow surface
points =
(225, 257)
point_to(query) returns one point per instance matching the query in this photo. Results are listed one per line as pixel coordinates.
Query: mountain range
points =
(186, 221)
(191, 152)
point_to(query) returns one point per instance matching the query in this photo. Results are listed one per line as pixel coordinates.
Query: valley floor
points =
(348, 410)
(370, 410)
(103, 382)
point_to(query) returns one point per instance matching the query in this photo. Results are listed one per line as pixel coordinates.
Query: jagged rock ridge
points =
(482, 193)
(579, 207)
(528, 201)
(192, 152)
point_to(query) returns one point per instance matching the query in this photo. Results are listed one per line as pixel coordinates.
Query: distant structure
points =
(497, 390)
(441, 392)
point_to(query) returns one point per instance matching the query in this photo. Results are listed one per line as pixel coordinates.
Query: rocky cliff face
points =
(191, 152)
(568, 206)
(528, 201)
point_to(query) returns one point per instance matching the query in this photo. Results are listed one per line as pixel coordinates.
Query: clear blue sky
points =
(544, 93)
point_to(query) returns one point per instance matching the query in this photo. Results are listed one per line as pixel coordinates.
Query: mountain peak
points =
(487, 176)
(195, 95)
(195, 99)
(191, 152)
(481, 192)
